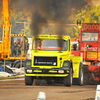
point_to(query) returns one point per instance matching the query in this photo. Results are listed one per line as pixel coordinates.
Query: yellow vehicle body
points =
(76, 64)
(6, 45)
(49, 62)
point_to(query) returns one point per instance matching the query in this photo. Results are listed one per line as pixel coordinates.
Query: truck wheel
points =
(28, 80)
(81, 76)
(79, 81)
(68, 79)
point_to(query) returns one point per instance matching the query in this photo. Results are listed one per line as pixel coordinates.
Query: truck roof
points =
(50, 36)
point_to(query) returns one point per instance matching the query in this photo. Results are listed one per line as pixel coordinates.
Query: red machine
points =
(74, 41)
(89, 47)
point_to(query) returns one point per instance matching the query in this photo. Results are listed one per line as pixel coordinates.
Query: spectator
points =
(92, 37)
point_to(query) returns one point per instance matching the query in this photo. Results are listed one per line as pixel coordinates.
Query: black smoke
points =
(49, 11)
(37, 23)
(55, 11)
(44, 11)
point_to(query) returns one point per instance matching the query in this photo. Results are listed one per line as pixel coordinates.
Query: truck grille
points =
(45, 61)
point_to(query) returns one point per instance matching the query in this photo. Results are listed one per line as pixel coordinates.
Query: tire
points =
(28, 80)
(79, 81)
(68, 79)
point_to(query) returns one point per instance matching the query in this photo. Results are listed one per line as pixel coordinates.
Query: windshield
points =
(89, 36)
(16, 45)
(49, 44)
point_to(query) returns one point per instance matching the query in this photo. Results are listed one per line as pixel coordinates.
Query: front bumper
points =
(54, 72)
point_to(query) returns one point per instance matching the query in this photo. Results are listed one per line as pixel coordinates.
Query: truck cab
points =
(19, 45)
(89, 47)
(51, 59)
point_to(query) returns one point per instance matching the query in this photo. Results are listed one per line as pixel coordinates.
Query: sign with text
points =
(90, 26)
(91, 54)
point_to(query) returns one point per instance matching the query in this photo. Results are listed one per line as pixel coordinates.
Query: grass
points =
(11, 77)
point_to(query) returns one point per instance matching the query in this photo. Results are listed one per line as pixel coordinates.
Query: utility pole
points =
(21, 49)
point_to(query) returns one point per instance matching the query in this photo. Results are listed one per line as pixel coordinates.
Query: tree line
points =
(20, 21)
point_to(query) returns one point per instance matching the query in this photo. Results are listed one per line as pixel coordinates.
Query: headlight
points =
(54, 64)
(60, 71)
(29, 71)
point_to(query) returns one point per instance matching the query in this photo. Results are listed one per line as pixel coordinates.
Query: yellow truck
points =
(51, 60)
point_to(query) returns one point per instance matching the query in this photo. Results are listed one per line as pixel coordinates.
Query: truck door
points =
(16, 46)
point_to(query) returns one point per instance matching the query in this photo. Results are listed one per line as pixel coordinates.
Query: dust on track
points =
(17, 88)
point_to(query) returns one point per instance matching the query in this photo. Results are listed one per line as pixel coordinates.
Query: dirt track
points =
(16, 90)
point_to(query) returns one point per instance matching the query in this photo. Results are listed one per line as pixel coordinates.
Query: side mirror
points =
(74, 47)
